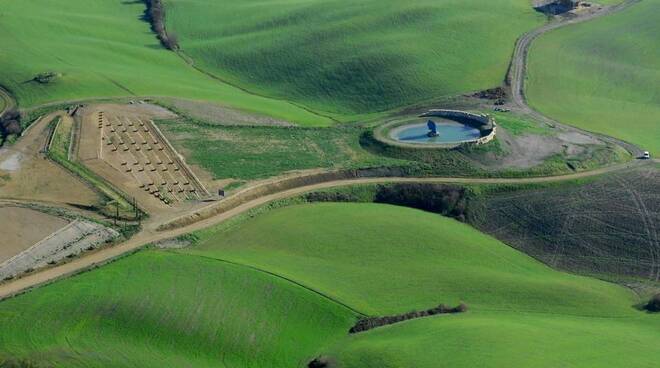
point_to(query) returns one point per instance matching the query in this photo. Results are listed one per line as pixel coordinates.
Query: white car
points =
(646, 155)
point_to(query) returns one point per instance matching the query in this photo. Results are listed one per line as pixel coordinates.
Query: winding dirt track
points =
(150, 235)
(518, 68)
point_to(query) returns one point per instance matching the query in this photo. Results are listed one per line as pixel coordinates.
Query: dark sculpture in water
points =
(433, 129)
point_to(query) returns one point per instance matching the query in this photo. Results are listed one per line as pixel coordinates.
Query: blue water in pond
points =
(450, 132)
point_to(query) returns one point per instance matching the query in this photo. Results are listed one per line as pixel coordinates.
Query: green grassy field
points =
(505, 339)
(517, 125)
(384, 259)
(603, 75)
(157, 309)
(103, 49)
(369, 256)
(351, 58)
(248, 153)
(267, 291)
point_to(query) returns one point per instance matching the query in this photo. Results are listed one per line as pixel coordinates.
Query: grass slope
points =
(384, 259)
(603, 75)
(350, 57)
(103, 49)
(157, 309)
(187, 308)
(505, 340)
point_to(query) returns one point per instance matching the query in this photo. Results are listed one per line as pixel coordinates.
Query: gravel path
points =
(68, 241)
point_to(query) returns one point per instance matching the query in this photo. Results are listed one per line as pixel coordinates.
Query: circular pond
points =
(448, 132)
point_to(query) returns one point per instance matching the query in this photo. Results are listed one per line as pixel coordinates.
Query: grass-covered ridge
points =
(267, 291)
(603, 75)
(385, 259)
(369, 256)
(349, 57)
(157, 309)
(98, 48)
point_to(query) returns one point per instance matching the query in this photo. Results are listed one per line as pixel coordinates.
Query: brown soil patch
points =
(22, 228)
(122, 144)
(27, 174)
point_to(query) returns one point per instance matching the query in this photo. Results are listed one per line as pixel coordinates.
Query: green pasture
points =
(384, 259)
(505, 339)
(517, 125)
(349, 58)
(279, 288)
(158, 309)
(248, 153)
(99, 48)
(603, 75)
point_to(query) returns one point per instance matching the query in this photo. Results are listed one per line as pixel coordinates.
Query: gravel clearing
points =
(11, 164)
(69, 241)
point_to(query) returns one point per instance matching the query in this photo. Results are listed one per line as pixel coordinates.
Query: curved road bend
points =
(150, 235)
(518, 69)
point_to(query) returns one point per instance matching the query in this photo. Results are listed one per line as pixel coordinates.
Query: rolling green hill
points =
(349, 57)
(159, 309)
(603, 75)
(505, 339)
(99, 48)
(384, 259)
(267, 291)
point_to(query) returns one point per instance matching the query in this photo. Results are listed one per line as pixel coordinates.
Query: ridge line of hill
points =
(191, 62)
(281, 277)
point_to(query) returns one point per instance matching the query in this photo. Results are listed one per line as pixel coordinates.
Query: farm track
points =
(518, 70)
(151, 235)
(516, 79)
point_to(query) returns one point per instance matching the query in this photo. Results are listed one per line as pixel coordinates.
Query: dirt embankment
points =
(271, 187)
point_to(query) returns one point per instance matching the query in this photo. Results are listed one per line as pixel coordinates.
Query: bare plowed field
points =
(22, 227)
(609, 226)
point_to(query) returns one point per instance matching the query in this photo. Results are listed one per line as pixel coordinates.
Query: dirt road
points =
(518, 69)
(150, 234)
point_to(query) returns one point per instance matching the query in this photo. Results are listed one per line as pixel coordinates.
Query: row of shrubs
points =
(155, 15)
(368, 323)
